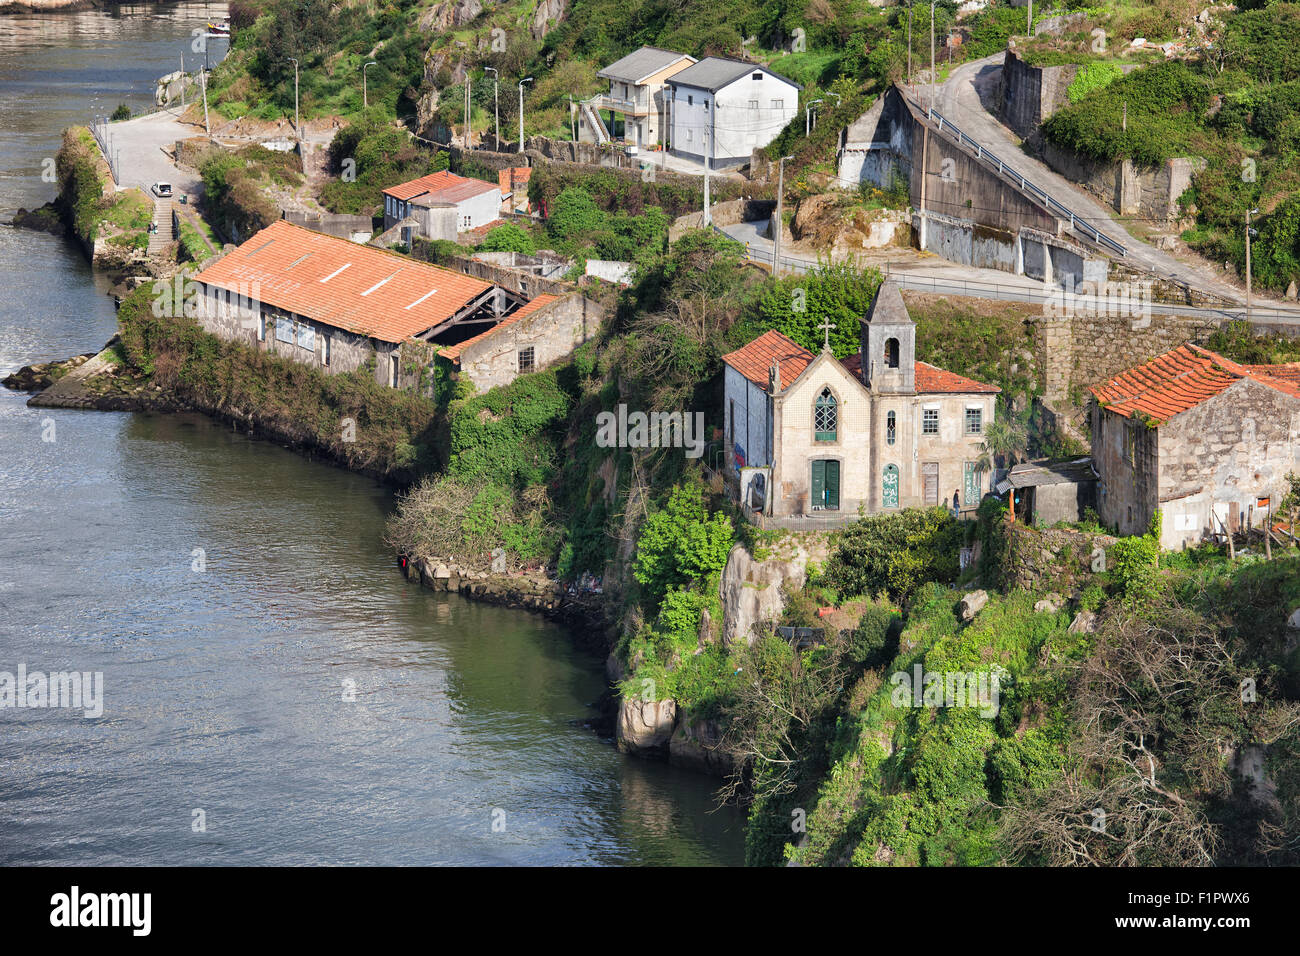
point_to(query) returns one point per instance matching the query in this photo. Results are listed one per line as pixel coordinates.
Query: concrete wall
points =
(611, 270)
(540, 266)
(552, 332)
(1229, 450)
(333, 224)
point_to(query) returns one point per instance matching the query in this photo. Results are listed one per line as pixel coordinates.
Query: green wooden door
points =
(826, 485)
(889, 487)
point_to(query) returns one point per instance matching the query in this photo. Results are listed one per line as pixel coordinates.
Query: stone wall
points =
(553, 332)
(1056, 558)
(1150, 192)
(1216, 459)
(1125, 453)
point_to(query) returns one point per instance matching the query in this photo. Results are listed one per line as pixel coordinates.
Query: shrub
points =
(507, 238)
(681, 544)
(897, 553)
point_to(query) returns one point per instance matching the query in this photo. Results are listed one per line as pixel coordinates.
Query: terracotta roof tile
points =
(1184, 378)
(528, 308)
(754, 360)
(339, 283)
(441, 186)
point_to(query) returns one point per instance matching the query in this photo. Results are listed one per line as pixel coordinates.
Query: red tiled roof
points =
(441, 186)
(353, 287)
(528, 308)
(930, 380)
(1184, 378)
(521, 177)
(757, 357)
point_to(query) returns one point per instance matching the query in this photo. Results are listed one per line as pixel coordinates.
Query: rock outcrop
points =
(751, 590)
(644, 725)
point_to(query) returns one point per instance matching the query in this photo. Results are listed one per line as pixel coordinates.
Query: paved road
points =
(936, 275)
(140, 160)
(967, 98)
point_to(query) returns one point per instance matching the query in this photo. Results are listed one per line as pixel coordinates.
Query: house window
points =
(688, 135)
(284, 329)
(778, 104)
(1130, 444)
(526, 362)
(690, 100)
(891, 432)
(974, 421)
(393, 370)
(261, 327)
(889, 487)
(891, 353)
(930, 421)
(824, 416)
(706, 104)
(753, 104)
(325, 349)
(757, 76)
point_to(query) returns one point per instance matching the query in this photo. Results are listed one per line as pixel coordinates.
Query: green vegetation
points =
(1091, 78)
(393, 429)
(1237, 105)
(235, 186)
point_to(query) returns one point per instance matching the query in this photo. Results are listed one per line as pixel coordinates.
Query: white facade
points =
(739, 117)
(471, 212)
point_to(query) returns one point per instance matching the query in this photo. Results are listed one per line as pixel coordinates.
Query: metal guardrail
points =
(1040, 195)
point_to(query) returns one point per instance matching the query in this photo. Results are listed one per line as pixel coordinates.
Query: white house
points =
(476, 202)
(725, 109)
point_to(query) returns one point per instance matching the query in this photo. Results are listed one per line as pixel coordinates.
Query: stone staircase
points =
(595, 123)
(163, 233)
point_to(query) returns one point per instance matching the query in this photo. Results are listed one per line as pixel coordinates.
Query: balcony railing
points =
(603, 101)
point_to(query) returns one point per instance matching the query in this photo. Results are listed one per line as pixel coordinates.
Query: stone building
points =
(336, 305)
(878, 431)
(545, 330)
(1206, 440)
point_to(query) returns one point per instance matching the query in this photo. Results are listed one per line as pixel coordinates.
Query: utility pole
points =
(573, 132)
(909, 42)
(469, 113)
(1123, 123)
(708, 155)
(496, 107)
(1249, 213)
(182, 84)
(933, 77)
(1029, 23)
(297, 130)
(365, 93)
(204, 85)
(779, 224)
(527, 79)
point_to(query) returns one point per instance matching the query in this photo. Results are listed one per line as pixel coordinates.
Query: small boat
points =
(221, 29)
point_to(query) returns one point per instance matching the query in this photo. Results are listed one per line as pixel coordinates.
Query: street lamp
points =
(296, 128)
(780, 195)
(1249, 232)
(807, 116)
(527, 79)
(496, 107)
(365, 95)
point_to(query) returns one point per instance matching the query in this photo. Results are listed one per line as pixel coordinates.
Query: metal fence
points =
(1040, 195)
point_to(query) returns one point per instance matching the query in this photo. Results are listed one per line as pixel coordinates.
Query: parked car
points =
(162, 190)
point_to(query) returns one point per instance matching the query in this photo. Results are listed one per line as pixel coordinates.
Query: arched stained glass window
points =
(825, 416)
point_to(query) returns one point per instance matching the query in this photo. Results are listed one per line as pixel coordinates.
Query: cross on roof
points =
(826, 326)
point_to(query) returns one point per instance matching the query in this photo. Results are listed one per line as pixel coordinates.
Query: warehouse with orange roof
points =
(1206, 440)
(337, 305)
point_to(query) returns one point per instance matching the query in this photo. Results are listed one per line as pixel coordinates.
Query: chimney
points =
(774, 378)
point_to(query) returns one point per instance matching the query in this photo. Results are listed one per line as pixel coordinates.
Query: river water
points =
(273, 690)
